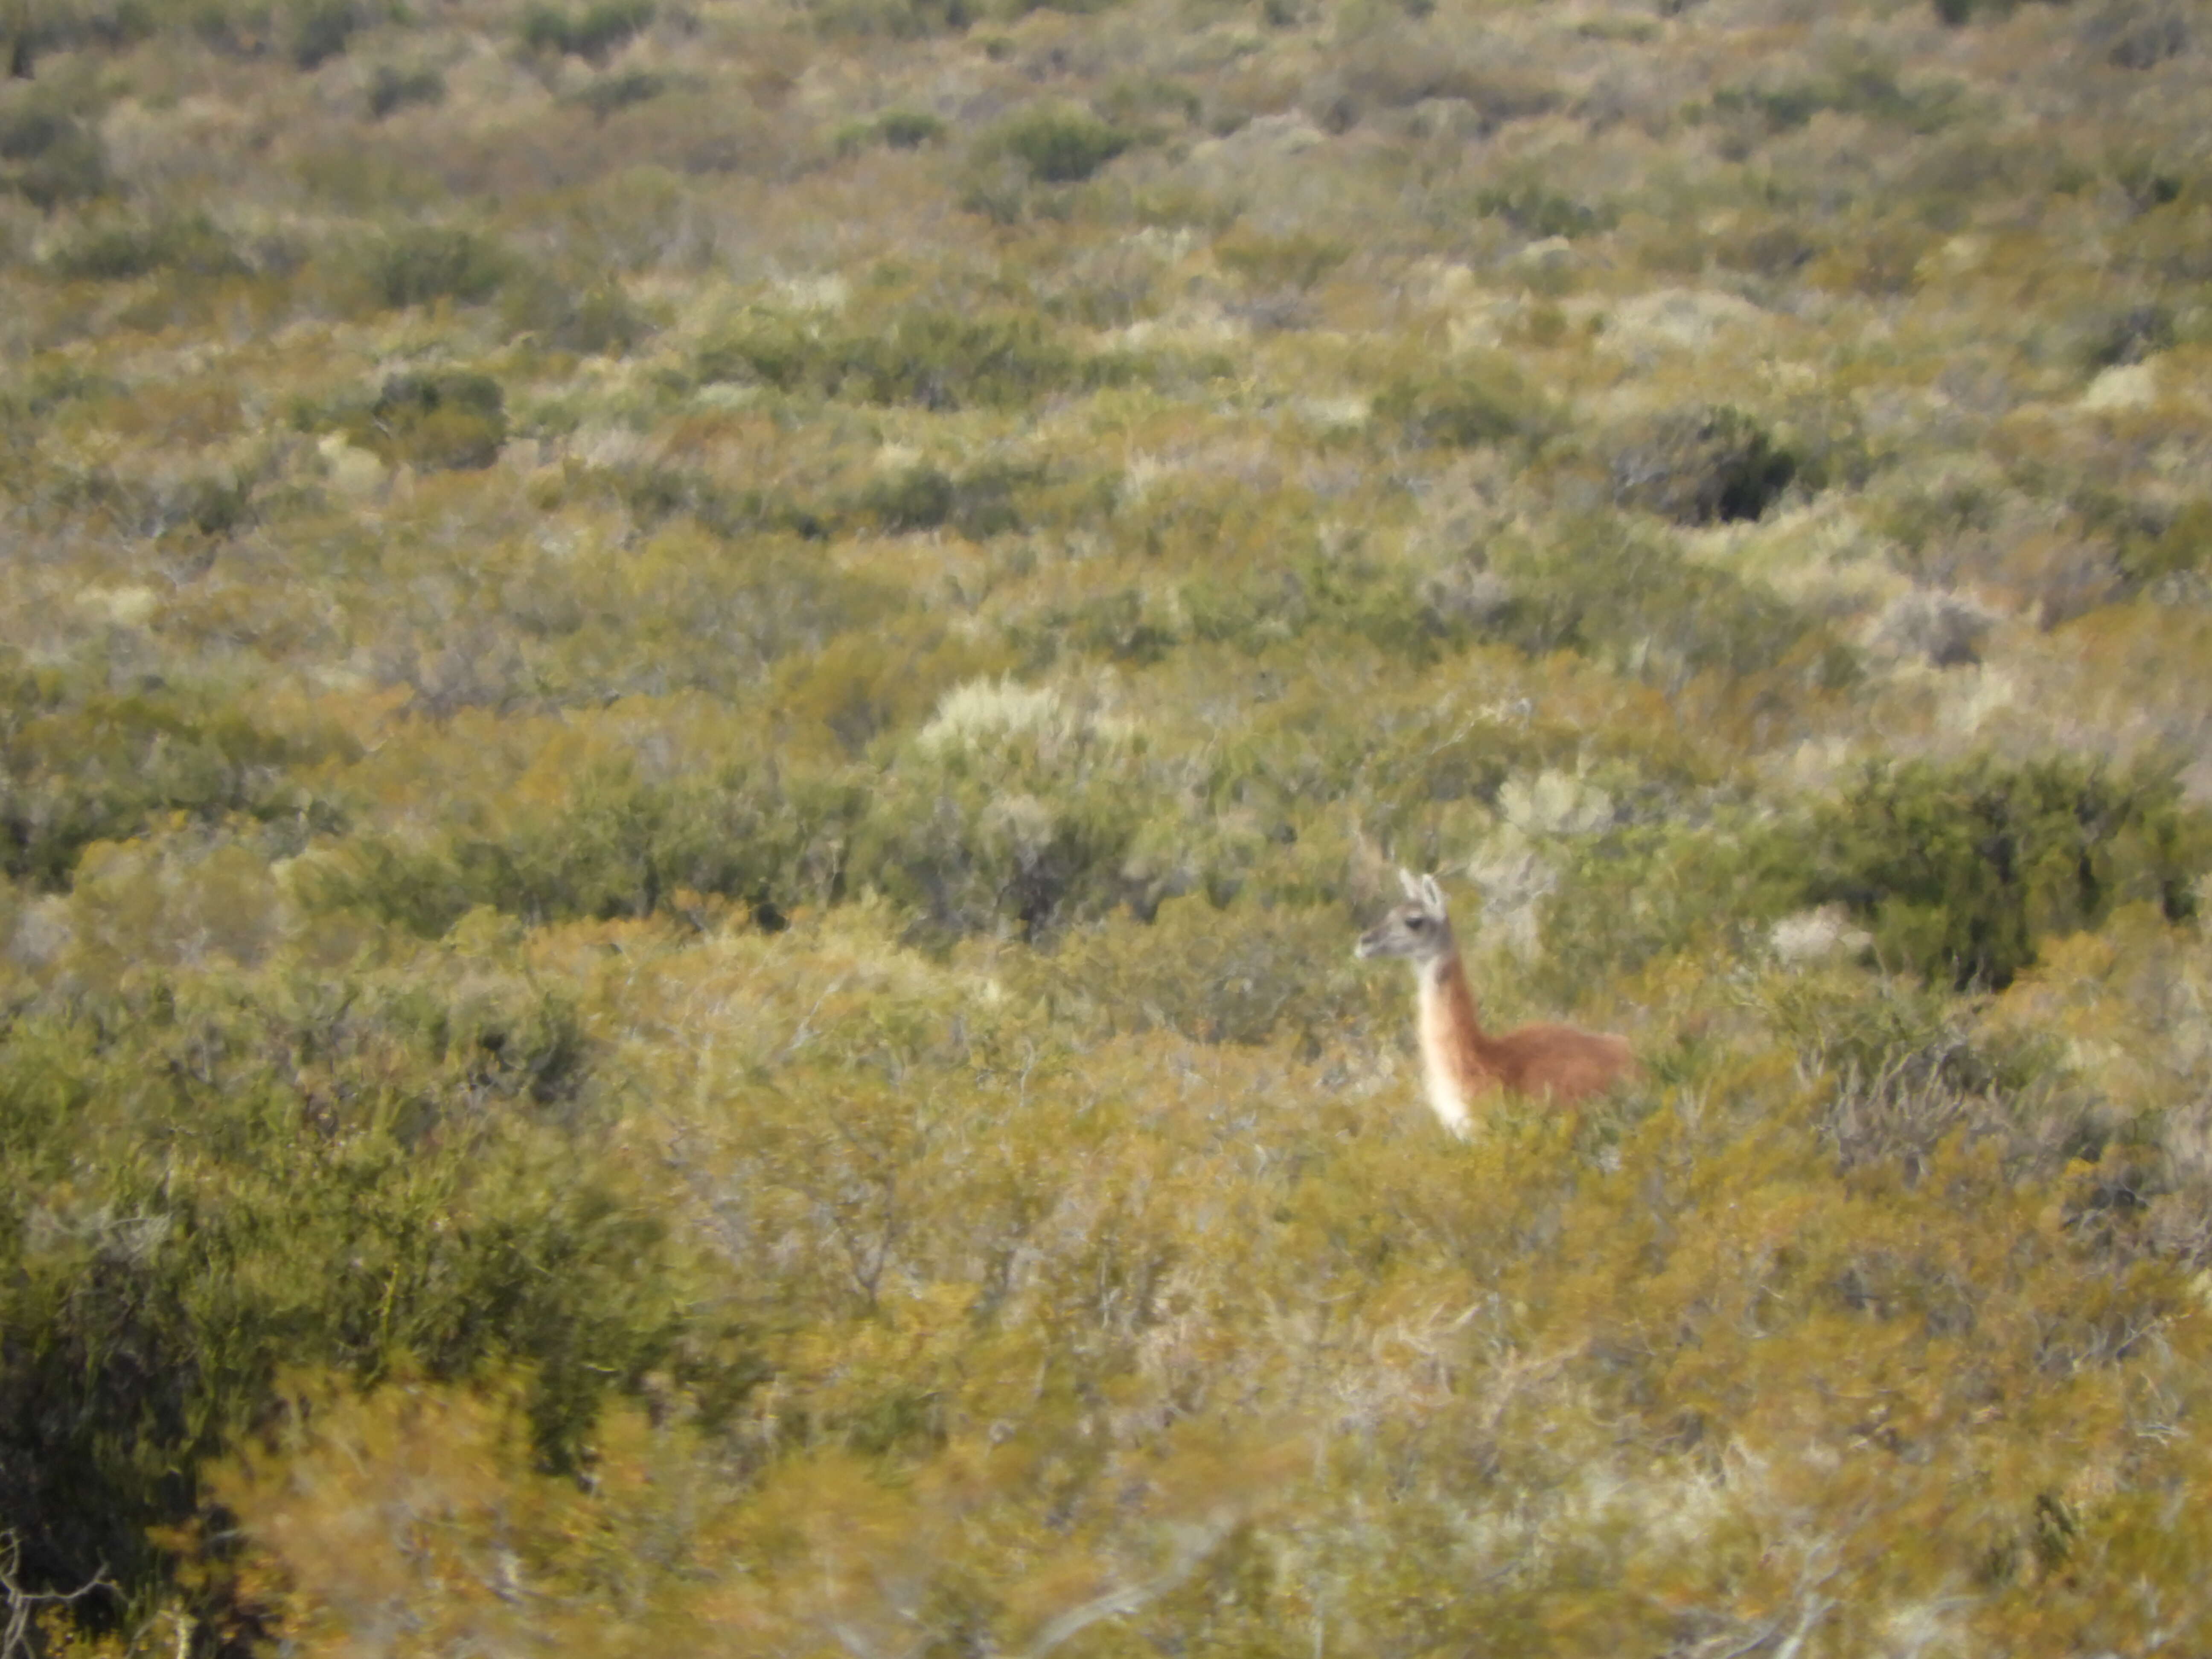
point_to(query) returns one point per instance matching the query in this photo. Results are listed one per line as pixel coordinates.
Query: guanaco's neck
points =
(1455, 1050)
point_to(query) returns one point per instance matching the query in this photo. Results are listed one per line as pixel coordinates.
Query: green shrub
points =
(897, 129)
(593, 316)
(434, 418)
(656, 494)
(188, 246)
(938, 359)
(1478, 398)
(1603, 589)
(1235, 973)
(1055, 143)
(606, 94)
(1960, 868)
(1297, 260)
(2183, 545)
(620, 843)
(321, 30)
(1010, 812)
(942, 359)
(1534, 209)
(392, 88)
(2138, 332)
(188, 1214)
(79, 765)
(422, 264)
(977, 504)
(893, 20)
(50, 154)
(1856, 86)
(1702, 465)
(593, 33)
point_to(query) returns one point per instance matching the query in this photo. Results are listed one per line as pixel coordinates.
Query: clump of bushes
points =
(592, 314)
(1609, 591)
(434, 418)
(593, 33)
(1478, 398)
(208, 1186)
(894, 20)
(80, 764)
(621, 90)
(420, 263)
(392, 89)
(622, 841)
(1055, 143)
(187, 246)
(1535, 209)
(322, 30)
(938, 359)
(895, 128)
(978, 503)
(1697, 466)
(50, 155)
(1959, 868)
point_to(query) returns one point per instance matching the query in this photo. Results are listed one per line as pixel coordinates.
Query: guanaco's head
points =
(1418, 930)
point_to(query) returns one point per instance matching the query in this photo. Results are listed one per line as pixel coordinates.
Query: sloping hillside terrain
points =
(698, 698)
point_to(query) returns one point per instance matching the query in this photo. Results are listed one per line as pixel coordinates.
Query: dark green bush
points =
(191, 245)
(897, 129)
(915, 498)
(213, 1186)
(79, 765)
(1056, 143)
(1960, 868)
(621, 845)
(593, 33)
(421, 264)
(1606, 590)
(434, 418)
(942, 359)
(659, 493)
(1700, 466)
(392, 88)
(908, 129)
(1536, 210)
(968, 856)
(894, 20)
(50, 154)
(2183, 545)
(2130, 337)
(606, 94)
(1313, 594)
(938, 359)
(977, 504)
(1864, 86)
(591, 315)
(321, 30)
(1480, 398)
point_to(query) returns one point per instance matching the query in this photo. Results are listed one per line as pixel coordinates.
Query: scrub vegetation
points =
(697, 702)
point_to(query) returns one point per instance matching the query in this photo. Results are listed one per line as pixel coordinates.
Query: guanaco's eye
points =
(1417, 922)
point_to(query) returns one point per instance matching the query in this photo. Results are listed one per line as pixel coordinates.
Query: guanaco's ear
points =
(1412, 887)
(1431, 895)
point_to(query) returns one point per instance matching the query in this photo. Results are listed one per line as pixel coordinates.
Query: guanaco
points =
(1460, 1062)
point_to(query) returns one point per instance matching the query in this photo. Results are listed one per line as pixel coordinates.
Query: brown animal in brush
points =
(1460, 1062)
